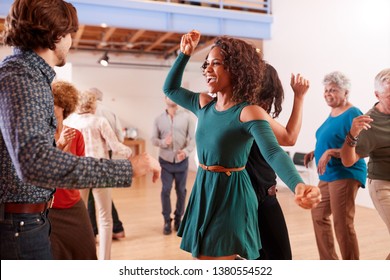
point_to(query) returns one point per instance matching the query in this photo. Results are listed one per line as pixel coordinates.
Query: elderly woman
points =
(338, 184)
(220, 221)
(99, 139)
(71, 234)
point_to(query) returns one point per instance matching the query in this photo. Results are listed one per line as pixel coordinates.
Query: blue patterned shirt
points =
(30, 164)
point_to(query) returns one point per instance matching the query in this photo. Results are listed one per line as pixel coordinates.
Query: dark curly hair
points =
(33, 24)
(246, 66)
(272, 93)
(65, 96)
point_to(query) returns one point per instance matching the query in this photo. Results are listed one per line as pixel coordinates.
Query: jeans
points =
(25, 236)
(173, 172)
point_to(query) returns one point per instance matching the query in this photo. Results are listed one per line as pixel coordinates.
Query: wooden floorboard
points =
(139, 208)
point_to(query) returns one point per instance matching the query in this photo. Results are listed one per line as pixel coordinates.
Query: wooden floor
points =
(139, 209)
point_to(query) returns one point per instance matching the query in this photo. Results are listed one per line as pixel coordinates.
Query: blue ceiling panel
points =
(170, 17)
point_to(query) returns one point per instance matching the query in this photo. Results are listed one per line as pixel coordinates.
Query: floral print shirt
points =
(30, 164)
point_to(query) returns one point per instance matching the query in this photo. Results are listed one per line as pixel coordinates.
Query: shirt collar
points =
(37, 62)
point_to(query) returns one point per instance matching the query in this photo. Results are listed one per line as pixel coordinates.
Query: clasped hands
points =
(307, 196)
(143, 164)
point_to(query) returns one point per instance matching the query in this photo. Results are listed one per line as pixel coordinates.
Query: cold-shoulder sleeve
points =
(172, 86)
(275, 156)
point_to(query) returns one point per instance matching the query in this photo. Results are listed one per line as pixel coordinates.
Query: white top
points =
(98, 136)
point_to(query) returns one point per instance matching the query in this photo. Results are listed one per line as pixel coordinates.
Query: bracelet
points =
(350, 142)
(353, 138)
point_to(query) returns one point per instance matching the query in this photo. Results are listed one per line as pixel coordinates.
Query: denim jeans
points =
(25, 237)
(173, 172)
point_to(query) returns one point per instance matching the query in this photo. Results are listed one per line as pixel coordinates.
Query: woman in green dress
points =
(220, 221)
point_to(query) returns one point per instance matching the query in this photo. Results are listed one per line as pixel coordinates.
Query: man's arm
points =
(348, 153)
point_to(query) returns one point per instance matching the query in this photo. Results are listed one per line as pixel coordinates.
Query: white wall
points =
(135, 94)
(310, 37)
(317, 37)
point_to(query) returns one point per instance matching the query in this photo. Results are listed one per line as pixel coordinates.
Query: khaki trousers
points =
(380, 195)
(338, 200)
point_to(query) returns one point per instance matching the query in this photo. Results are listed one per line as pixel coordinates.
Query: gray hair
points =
(98, 93)
(382, 77)
(339, 79)
(87, 103)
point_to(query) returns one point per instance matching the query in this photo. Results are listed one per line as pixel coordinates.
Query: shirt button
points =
(17, 234)
(21, 223)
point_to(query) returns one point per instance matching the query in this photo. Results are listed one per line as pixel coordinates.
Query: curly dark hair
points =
(65, 96)
(272, 93)
(246, 66)
(33, 24)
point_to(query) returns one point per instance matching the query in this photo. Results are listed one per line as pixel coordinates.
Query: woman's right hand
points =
(308, 158)
(189, 42)
(307, 196)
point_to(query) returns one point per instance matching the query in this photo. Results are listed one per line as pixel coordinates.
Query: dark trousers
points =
(117, 224)
(71, 233)
(273, 231)
(24, 236)
(173, 172)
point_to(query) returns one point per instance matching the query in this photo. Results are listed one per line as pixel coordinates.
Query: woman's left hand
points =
(325, 158)
(307, 196)
(189, 42)
(299, 85)
(66, 136)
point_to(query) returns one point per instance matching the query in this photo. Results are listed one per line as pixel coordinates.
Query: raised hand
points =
(299, 85)
(189, 42)
(359, 123)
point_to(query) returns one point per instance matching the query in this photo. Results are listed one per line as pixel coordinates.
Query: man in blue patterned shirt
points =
(30, 164)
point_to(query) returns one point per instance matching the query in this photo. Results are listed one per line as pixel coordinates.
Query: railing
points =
(241, 5)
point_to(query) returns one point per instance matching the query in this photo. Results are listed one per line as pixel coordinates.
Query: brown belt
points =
(272, 190)
(27, 208)
(218, 168)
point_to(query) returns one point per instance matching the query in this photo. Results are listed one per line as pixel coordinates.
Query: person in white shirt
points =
(102, 110)
(98, 136)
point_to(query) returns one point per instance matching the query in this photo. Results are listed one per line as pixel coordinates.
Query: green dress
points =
(221, 215)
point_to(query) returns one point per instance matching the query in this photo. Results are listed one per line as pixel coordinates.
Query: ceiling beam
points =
(78, 35)
(106, 37)
(159, 41)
